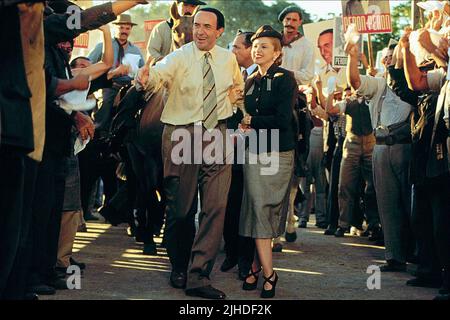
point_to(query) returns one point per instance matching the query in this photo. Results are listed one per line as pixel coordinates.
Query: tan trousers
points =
(69, 225)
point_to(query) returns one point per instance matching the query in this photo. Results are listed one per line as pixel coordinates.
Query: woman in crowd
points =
(270, 95)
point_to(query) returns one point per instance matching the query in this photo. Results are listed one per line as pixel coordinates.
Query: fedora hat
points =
(124, 19)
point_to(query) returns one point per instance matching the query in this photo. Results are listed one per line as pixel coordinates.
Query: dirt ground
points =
(315, 267)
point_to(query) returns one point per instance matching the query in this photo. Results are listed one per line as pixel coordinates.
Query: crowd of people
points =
(367, 154)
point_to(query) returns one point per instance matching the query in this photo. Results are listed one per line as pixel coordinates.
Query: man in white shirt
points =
(199, 77)
(298, 52)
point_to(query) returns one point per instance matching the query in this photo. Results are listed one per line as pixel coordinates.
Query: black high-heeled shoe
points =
(251, 286)
(266, 294)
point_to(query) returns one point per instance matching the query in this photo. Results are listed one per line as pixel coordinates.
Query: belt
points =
(118, 86)
(200, 123)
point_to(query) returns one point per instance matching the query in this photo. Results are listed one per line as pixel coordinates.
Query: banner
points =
(82, 41)
(370, 16)
(339, 56)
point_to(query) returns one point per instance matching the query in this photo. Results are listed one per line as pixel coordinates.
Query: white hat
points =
(431, 5)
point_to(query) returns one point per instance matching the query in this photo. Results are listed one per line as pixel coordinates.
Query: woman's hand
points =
(246, 121)
(236, 95)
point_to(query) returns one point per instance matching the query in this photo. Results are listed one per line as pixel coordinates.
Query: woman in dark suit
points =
(270, 96)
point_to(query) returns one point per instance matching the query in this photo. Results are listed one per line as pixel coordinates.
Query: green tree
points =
(401, 17)
(246, 15)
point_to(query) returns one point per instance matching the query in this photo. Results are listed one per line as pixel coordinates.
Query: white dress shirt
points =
(182, 74)
(299, 58)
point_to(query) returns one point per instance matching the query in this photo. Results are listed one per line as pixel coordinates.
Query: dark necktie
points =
(121, 52)
(244, 74)
(210, 119)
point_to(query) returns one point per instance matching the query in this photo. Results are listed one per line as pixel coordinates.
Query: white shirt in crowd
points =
(299, 58)
(393, 109)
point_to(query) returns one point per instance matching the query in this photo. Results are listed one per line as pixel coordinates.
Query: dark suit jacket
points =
(16, 124)
(270, 100)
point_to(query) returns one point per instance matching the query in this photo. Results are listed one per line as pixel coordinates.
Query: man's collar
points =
(199, 54)
(288, 44)
(251, 69)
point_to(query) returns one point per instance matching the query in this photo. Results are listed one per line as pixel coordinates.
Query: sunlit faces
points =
(265, 51)
(124, 31)
(292, 22)
(387, 60)
(205, 30)
(185, 9)
(325, 44)
(241, 52)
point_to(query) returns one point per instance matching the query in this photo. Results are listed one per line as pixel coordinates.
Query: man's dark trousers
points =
(12, 172)
(46, 210)
(181, 184)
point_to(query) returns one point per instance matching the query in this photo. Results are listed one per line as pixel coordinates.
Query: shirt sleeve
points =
(63, 27)
(164, 71)
(306, 72)
(238, 81)
(96, 54)
(435, 79)
(154, 47)
(370, 86)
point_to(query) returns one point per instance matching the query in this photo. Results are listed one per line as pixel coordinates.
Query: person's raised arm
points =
(98, 69)
(120, 7)
(330, 108)
(353, 76)
(417, 80)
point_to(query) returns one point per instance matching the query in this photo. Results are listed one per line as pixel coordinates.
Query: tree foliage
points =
(246, 15)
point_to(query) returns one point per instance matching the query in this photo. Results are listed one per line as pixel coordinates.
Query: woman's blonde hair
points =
(277, 47)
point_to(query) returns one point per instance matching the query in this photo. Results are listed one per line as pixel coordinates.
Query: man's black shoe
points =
(302, 224)
(424, 282)
(150, 249)
(290, 237)
(329, 231)
(340, 232)
(376, 234)
(80, 265)
(393, 266)
(178, 280)
(30, 296)
(42, 289)
(59, 284)
(207, 292)
(228, 264)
